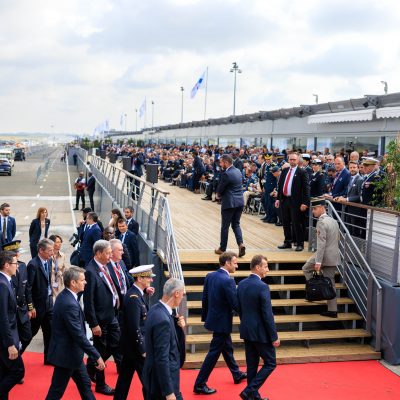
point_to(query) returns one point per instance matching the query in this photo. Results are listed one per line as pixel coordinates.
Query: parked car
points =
(19, 155)
(5, 167)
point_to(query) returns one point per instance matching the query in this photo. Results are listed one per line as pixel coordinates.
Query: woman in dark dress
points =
(38, 230)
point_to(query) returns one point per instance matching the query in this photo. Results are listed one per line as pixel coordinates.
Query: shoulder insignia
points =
(134, 295)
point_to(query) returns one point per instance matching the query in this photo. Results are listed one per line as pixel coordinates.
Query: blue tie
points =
(46, 268)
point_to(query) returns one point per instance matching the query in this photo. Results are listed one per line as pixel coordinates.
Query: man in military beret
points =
(327, 256)
(134, 313)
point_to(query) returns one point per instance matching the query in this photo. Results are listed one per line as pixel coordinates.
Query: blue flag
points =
(199, 84)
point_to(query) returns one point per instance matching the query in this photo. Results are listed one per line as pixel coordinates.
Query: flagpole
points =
(205, 97)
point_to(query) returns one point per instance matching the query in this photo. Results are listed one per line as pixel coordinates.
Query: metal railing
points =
(149, 202)
(357, 274)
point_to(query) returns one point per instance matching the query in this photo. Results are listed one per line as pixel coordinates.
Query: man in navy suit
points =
(39, 279)
(257, 327)
(230, 191)
(90, 235)
(11, 365)
(162, 363)
(130, 241)
(91, 187)
(342, 179)
(133, 226)
(218, 302)
(68, 340)
(101, 303)
(8, 227)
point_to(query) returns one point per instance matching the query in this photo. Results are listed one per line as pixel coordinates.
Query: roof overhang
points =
(388, 112)
(347, 116)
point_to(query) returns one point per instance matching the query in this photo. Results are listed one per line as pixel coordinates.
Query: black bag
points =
(319, 288)
(75, 257)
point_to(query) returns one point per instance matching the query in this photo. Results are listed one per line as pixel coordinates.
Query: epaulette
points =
(134, 295)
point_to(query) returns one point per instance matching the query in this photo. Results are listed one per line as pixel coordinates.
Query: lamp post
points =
(316, 98)
(182, 89)
(385, 86)
(152, 114)
(136, 119)
(235, 69)
(125, 115)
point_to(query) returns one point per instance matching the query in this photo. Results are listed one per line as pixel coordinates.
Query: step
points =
(299, 354)
(196, 304)
(284, 336)
(287, 319)
(272, 288)
(241, 273)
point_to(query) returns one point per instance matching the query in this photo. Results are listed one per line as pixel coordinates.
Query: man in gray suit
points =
(327, 256)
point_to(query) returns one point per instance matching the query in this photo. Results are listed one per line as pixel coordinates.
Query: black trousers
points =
(231, 217)
(34, 250)
(255, 351)
(293, 222)
(43, 321)
(61, 377)
(221, 343)
(25, 333)
(11, 372)
(106, 345)
(127, 369)
(80, 194)
(91, 193)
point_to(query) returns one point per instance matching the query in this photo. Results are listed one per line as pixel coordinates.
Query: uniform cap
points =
(280, 155)
(12, 246)
(142, 270)
(318, 201)
(370, 161)
(316, 161)
(306, 156)
(275, 169)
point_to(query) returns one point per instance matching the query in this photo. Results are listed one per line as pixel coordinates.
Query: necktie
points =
(120, 277)
(46, 268)
(105, 272)
(123, 238)
(285, 188)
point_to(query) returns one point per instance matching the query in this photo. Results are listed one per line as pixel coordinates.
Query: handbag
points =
(319, 287)
(75, 257)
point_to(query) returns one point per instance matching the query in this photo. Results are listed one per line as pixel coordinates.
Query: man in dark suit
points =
(218, 302)
(130, 241)
(133, 226)
(23, 294)
(132, 344)
(293, 199)
(137, 162)
(11, 365)
(342, 179)
(257, 327)
(109, 234)
(230, 191)
(39, 279)
(8, 227)
(91, 187)
(68, 340)
(162, 363)
(90, 235)
(198, 171)
(101, 302)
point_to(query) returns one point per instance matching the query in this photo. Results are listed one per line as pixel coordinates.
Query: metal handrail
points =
(357, 275)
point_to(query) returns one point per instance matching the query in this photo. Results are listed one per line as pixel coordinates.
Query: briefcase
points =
(75, 257)
(319, 287)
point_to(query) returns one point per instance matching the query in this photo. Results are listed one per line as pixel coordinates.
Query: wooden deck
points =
(197, 225)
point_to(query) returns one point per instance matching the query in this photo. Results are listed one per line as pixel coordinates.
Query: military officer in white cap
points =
(134, 313)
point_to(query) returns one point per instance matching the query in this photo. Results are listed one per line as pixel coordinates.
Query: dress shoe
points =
(203, 390)
(21, 382)
(331, 314)
(299, 247)
(206, 198)
(246, 396)
(105, 389)
(76, 209)
(218, 251)
(279, 224)
(285, 246)
(263, 219)
(242, 250)
(240, 378)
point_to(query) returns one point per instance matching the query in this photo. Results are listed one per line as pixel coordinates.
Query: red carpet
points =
(362, 380)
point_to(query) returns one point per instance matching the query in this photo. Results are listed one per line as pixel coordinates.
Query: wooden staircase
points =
(305, 335)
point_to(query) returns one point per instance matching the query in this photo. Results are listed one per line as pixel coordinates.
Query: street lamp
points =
(316, 98)
(152, 114)
(136, 119)
(182, 89)
(235, 69)
(385, 86)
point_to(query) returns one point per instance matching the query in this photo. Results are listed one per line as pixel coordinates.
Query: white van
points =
(9, 154)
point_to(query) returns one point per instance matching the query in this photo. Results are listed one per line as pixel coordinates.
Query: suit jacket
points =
(8, 315)
(68, 341)
(354, 190)
(198, 166)
(22, 291)
(89, 238)
(40, 281)
(133, 226)
(127, 276)
(91, 184)
(327, 241)
(255, 310)
(161, 366)
(370, 193)
(300, 188)
(35, 231)
(97, 297)
(238, 163)
(317, 184)
(134, 314)
(340, 184)
(137, 165)
(11, 228)
(218, 301)
(130, 241)
(230, 188)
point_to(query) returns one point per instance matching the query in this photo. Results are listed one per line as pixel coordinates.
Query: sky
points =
(68, 66)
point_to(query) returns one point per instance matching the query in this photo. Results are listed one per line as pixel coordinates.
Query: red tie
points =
(285, 188)
(103, 269)
(118, 272)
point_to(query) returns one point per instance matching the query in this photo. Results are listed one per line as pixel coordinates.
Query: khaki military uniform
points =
(327, 252)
